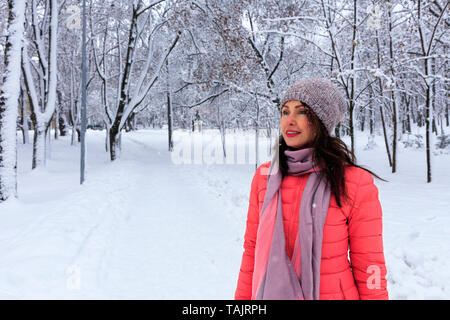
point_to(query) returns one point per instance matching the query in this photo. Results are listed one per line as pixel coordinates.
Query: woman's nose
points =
(291, 119)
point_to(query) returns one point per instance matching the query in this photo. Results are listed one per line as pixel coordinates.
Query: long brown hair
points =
(330, 153)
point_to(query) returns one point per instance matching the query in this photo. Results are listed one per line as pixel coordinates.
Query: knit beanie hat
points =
(322, 96)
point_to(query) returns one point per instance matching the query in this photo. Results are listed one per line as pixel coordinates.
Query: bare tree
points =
(130, 94)
(39, 65)
(9, 96)
(427, 38)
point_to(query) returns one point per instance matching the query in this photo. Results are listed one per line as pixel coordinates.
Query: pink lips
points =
(292, 133)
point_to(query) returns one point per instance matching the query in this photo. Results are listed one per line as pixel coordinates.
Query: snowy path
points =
(162, 248)
(140, 228)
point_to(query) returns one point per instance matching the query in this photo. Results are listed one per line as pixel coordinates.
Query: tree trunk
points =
(62, 125)
(386, 141)
(38, 146)
(363, 117)
(428, 109)
(434, 127)
(446, 113)
(43, 105)
(24, 117)
(420, 119)
(114, 144)
(381, 94)
(222, 136)
(408, 118)
(60, 116)
(393, 98)
(269, 136)
(336, 130)
(415, 116)
(9, 97)
(371, 120)
(48, 148)
(403, 115)
(350, 127)
(169, 110)
(107, 139)
(427, 132)
(130, 123)
(55, 118)
(394, 138)
(433, 97)
(352, 79)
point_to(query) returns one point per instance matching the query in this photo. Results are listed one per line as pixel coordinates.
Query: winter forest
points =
(163, 74)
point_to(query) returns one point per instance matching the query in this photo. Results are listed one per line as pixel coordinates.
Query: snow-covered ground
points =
(149, 227)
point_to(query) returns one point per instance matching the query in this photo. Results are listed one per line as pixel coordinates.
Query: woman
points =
(311, 209)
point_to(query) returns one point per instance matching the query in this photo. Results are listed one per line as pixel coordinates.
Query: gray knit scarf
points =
(275, 275)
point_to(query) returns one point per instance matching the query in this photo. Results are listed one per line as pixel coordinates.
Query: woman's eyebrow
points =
(297, 106)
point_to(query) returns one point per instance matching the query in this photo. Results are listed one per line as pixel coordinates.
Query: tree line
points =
(165, 62)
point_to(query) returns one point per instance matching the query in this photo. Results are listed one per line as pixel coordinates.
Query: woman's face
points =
(295, 126)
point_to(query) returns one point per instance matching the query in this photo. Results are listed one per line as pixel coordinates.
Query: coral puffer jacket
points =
(356, 226)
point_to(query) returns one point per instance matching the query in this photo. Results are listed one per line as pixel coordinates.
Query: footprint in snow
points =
(414, 235)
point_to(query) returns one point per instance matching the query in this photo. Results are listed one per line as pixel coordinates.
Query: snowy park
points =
(145, 227)
(130, 132)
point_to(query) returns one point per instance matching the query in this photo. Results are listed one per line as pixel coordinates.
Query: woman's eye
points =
(286, 112)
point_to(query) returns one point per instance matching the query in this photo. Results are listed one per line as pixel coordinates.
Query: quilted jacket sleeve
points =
(244, 285)
(366, 240)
